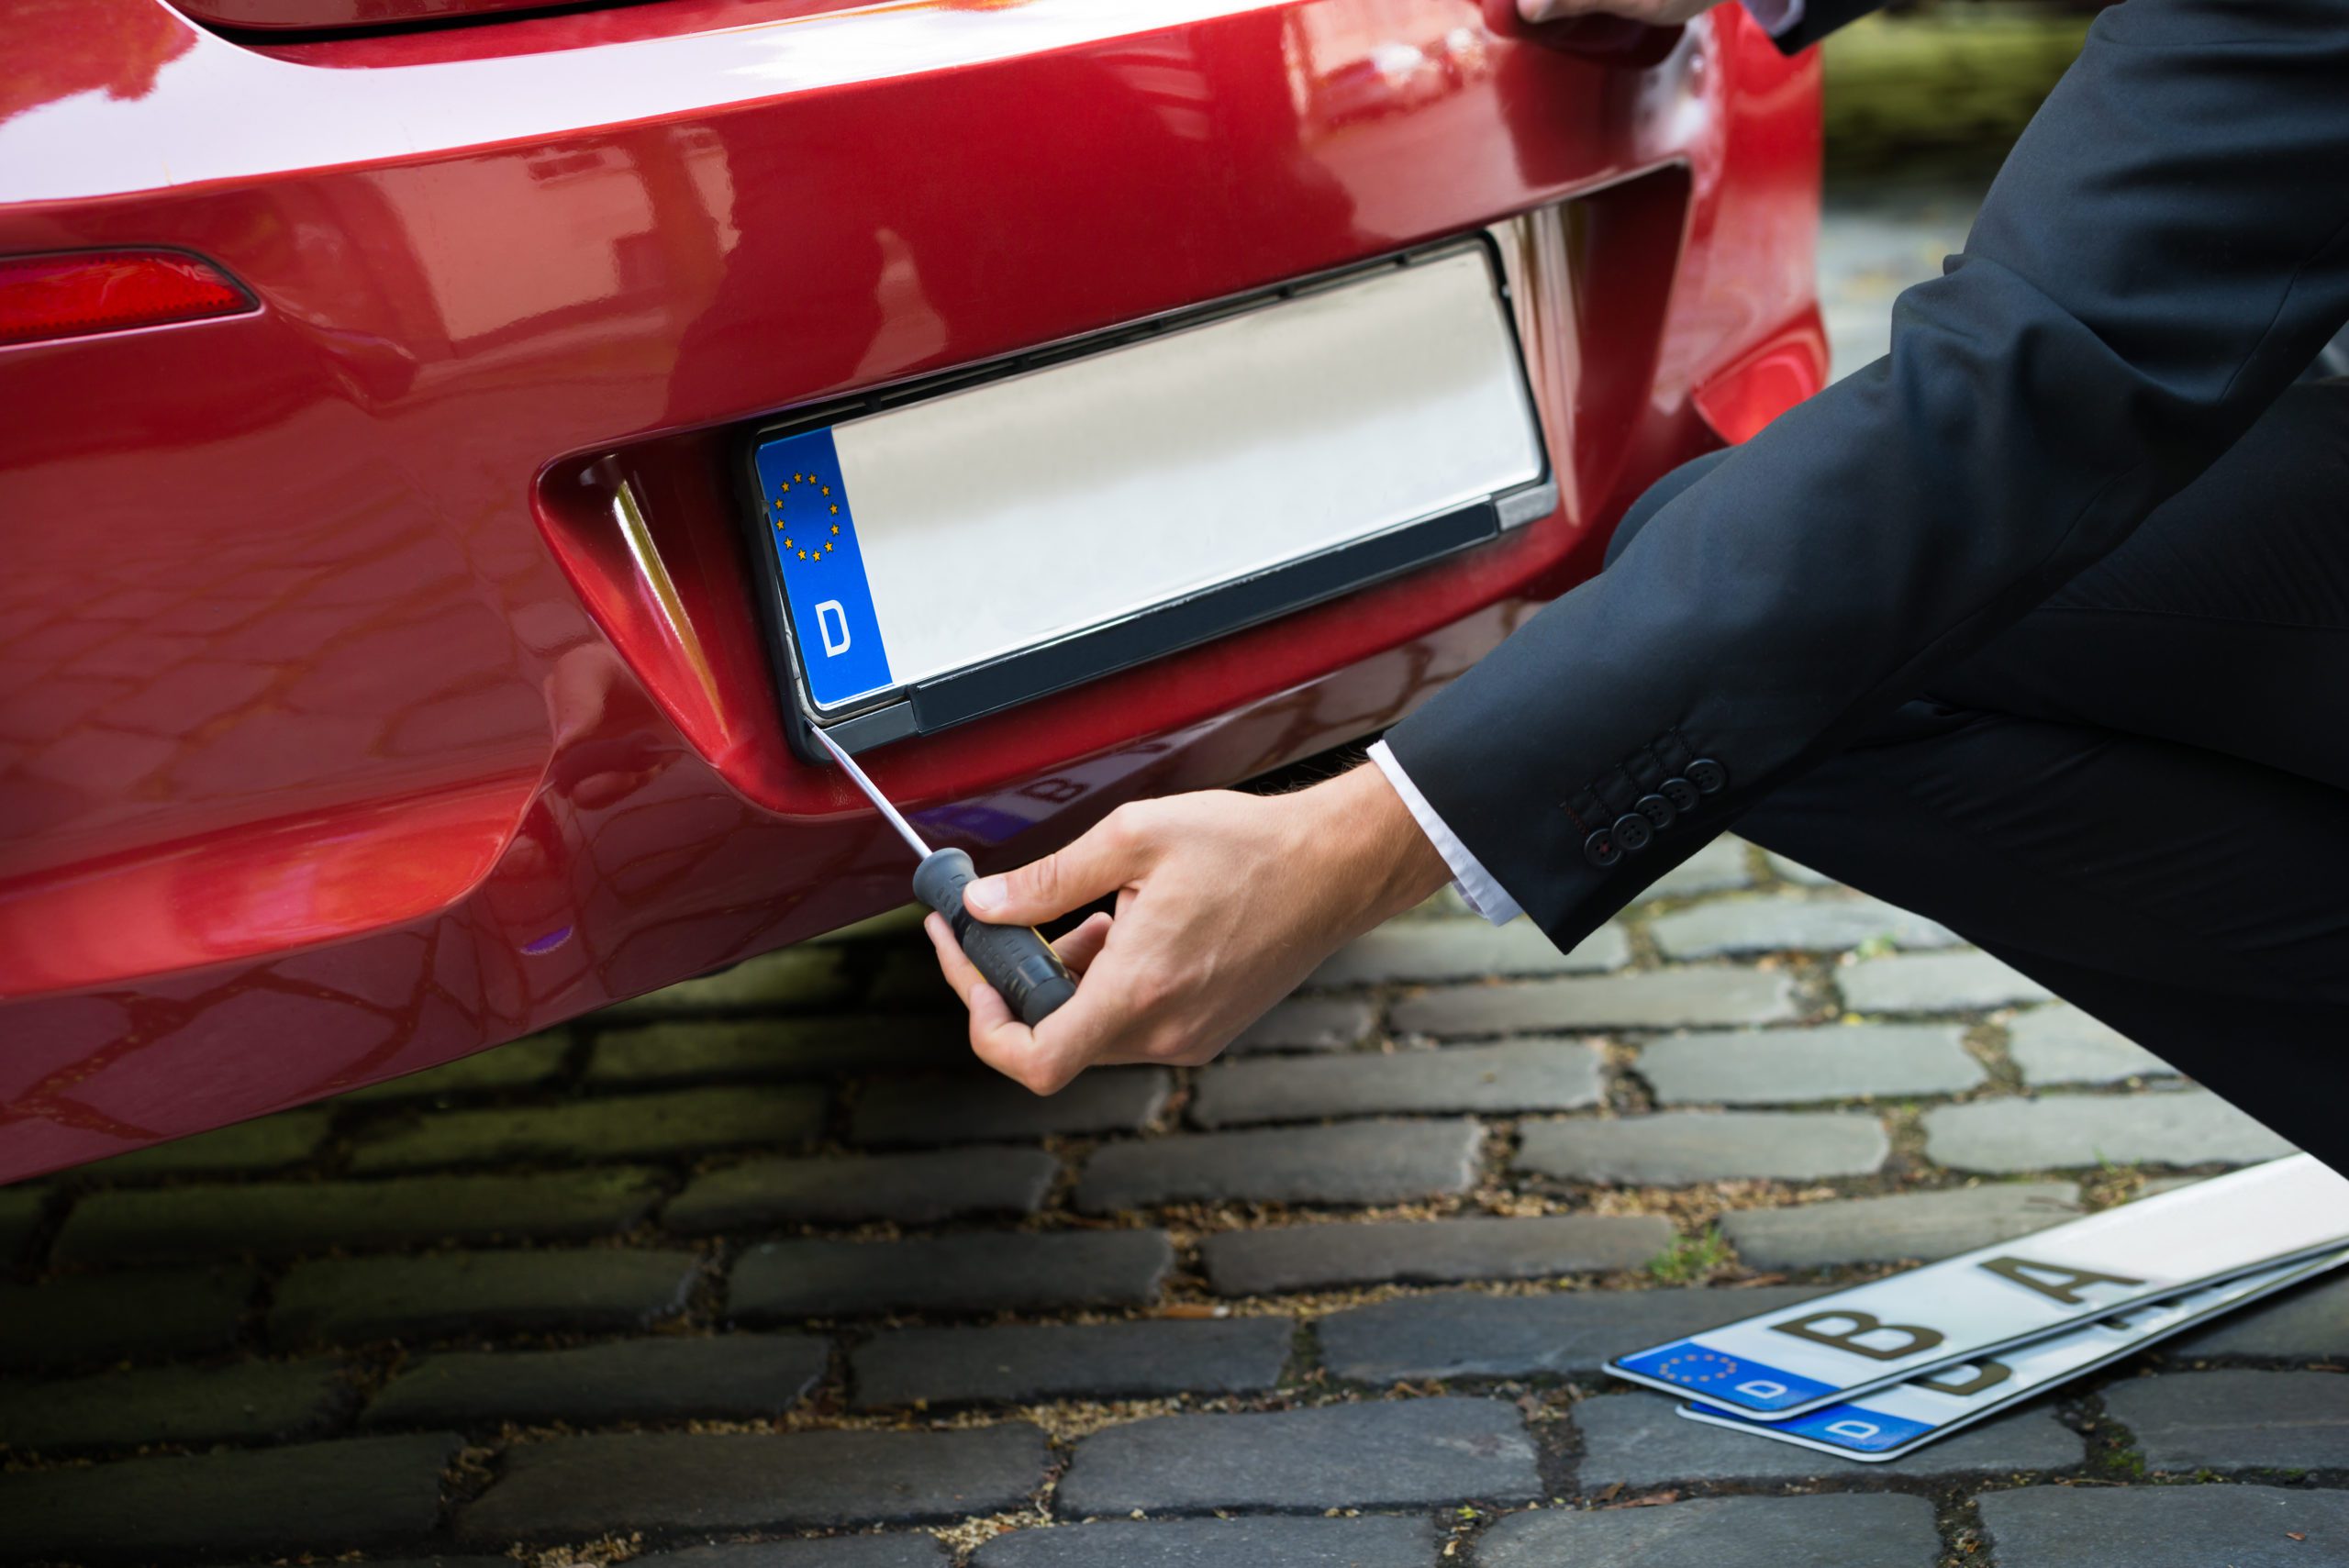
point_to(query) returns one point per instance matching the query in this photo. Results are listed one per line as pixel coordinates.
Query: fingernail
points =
(984, 894)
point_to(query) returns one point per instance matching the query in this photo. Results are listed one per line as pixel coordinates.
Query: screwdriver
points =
(1016, 960)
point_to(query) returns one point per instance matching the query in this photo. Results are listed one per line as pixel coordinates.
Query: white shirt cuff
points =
(1777, 17)
(1478, 888)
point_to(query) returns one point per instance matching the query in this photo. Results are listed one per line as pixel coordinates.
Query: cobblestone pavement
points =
(759, 1260)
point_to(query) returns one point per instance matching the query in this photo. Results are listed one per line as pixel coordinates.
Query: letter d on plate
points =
(813, 531)
(828, 615)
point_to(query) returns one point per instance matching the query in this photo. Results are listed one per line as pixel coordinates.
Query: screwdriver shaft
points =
(871, 793)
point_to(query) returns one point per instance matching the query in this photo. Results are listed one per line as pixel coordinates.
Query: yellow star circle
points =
(1695, 1366)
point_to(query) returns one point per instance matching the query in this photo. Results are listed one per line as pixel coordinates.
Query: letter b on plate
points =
(1863, 1334)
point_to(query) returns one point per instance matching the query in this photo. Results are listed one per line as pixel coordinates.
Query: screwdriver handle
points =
(1016, 960)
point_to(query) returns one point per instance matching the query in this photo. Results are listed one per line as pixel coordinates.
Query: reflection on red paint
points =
(71, 46)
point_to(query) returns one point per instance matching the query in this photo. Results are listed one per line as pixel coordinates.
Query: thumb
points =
(1103, 860)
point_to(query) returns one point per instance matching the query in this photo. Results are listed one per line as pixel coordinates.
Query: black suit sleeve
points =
(2167, 248)
(1821, 17)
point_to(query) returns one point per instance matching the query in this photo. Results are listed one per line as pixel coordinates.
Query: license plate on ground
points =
(944, 556)
(1896, 1421)
(1834, 1348)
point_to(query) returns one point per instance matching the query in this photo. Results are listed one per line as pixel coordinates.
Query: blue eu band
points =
(1853, 1427)
(813, 531)
(1732, 1379)
(1856, 1428)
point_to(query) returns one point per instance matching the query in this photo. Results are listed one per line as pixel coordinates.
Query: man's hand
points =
(1225, 901)
(1654, 12)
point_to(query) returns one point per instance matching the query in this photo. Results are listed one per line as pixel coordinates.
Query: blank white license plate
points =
(964, 551)
(1900, 1421)
(1832, 1348)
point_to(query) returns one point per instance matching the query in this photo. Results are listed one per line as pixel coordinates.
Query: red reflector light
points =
(77, 293)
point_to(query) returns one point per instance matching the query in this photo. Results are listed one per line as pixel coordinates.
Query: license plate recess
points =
(953, 547)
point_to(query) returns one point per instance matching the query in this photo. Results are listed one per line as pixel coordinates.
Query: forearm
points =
(1479, 889)
(1361, 834)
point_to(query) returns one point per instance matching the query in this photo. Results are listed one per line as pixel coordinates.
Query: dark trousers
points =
(2139, 795)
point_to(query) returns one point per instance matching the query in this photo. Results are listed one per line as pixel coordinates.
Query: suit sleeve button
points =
(1680, 792)
(1600, 849)
(1631, 831)
(1656, 809)
(1709, 776)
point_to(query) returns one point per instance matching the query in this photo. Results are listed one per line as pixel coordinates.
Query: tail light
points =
(75, 294)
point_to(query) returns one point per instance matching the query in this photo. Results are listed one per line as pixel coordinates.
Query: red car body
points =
(340, 735)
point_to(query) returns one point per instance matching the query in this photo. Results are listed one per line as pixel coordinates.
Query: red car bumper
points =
(340, 733)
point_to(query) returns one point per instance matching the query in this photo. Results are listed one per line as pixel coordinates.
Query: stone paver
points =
(1430, 1251)
(2306, 1324)
(803, 978)
(131, 1314)
(1385, 1454)
(1020, 1364)
(350, 1300)
(686, 1051)
(526, 1064)
(977, 1272)
(2153, 1186)
(1796, 873)
(1468, 1334)
(1663, 999)
(1637, 1439)
(1920, 1226)
(1678, 1147)
(2166, 1527)
(2064, 1045)
(1720, 866)
(1353, 1162)
(1764, 1067)
(1935, 983)
(2236, 1419)
(279, 1219)
(897, 1549)
(1374, 1540)
(247, 1402)
(1722, 1532)
(966, 1108)
(1415, 952)
(573, 1488)
(626, 1126)
(360, 1494)
(1310, 1023)
(22, 1210)
(744, 1376)
(2184, 1127)
(912, 1189)
(267, 1143)
(1518, 1076)
(1745, 927)
(908, 980)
